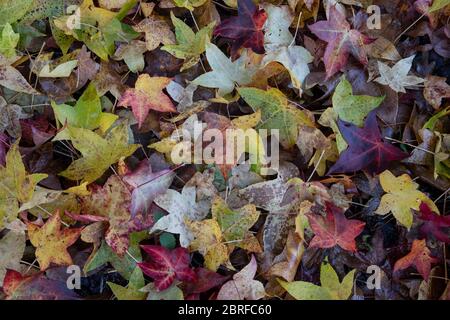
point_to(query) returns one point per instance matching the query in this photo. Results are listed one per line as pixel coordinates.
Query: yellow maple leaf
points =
(235, 224)
(216, 238)
(98, 153)
(51, 242)
(330, 289)
(16, 186)
(208, 240)
(402, 196)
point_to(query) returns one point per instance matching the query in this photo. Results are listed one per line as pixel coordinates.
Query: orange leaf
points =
(419, 257)
(147, 95)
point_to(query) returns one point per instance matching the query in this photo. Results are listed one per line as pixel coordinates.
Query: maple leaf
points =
(51, 242)
(87, 112)
(125, 265)
(183, 95)
(276, 28)
(243, 286)
(206, 280)
(268, 195)
(180, 206)
(246, 30)
(12, 247)
(35, 287)
(167, 265)
(131, 291)
(190, 45)
(156, 31)
(216, 238)
(147, 185)
(341, 39)
(235, 224)
(225, 74)
(330, 289)
(107, 29)
(419, 256)
(238, 129)
(107, 79)
(312, 138)
(98, 153)
(366, 148)
(402, 196)
(207, 239)
(16, 186)
(397, 77)
(433, 223)
(147, 95)
(334, 229)
(113, 201)
(435, 90)
(10, 116)
(278, 43)
(171, 293)
(132, 54)
(277, 113)
(353, 108)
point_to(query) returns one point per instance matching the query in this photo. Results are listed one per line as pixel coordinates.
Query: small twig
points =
(406, 30)
(315, 167)
(411, 145)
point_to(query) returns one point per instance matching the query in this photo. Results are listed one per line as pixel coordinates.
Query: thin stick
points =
(315, 167)
(406, 30)
(411, 145)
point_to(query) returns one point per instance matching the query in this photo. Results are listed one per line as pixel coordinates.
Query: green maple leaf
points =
(276, 113)
(348, 107)
(190, 45)
(98, 28)
(131, 291)
(331, 288)
(235, 224)
(87, 112)
(353, 108)
(16, 186)
(124, 265)
(98, 153)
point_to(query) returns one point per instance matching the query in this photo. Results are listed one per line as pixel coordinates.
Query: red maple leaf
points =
(366, 148)
(341, 39)
(146, 186)
(334, 229)
(206, 280)
(419, 256)
(35, 287)
(434, 223)
(166, 265)
(246, 29)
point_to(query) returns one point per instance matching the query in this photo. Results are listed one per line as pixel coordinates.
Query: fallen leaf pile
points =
(340, 188)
